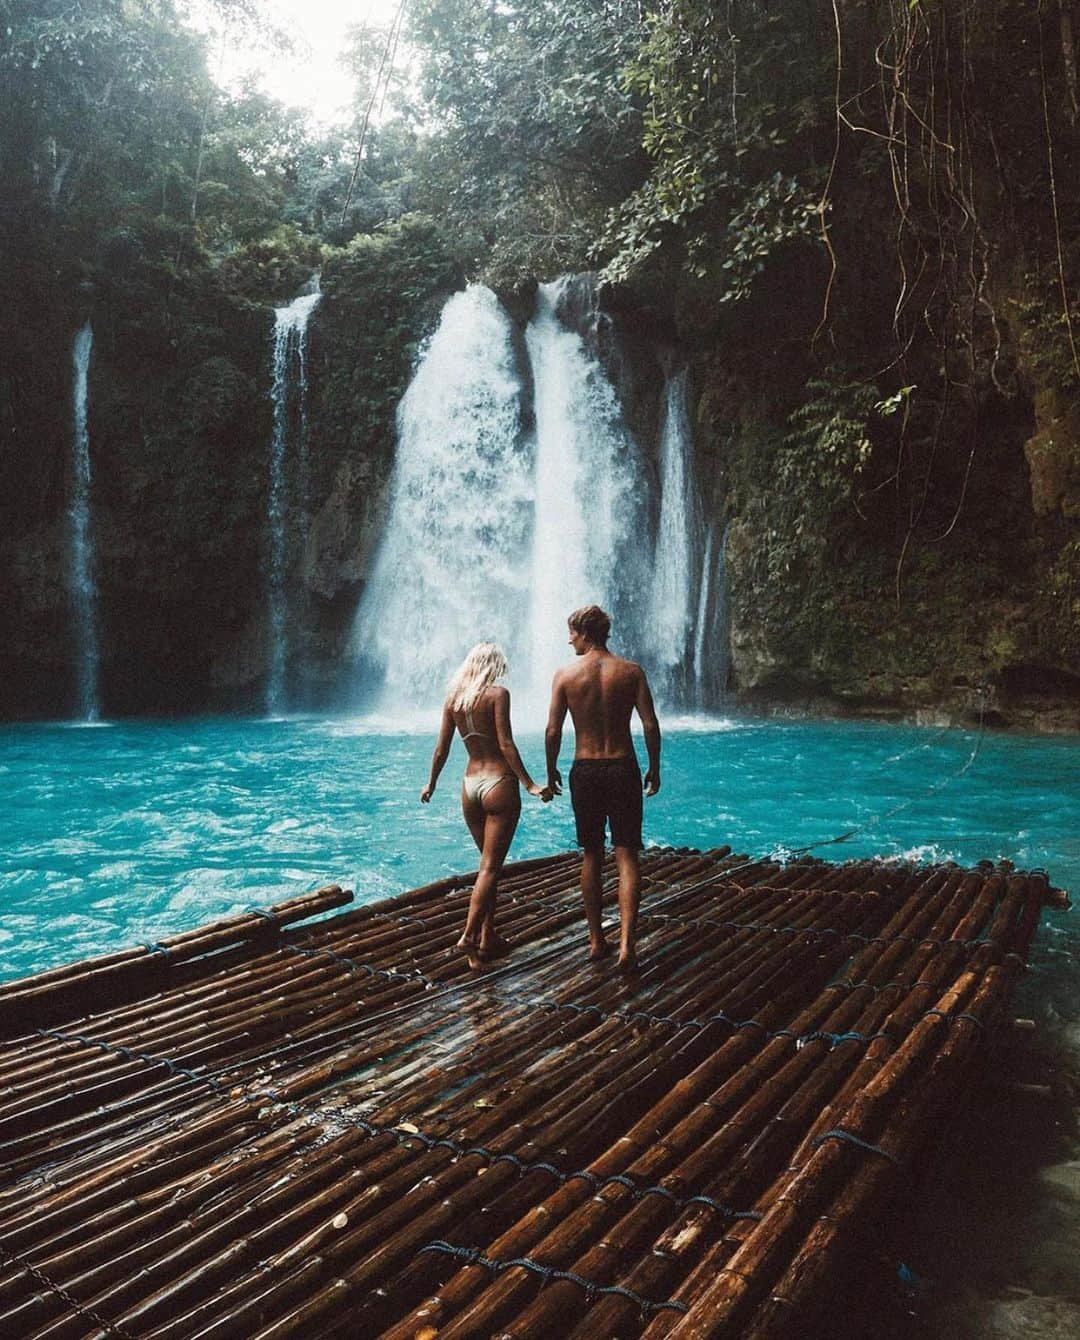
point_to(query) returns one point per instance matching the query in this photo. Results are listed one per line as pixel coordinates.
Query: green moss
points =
(1057, 608)
(382, 295)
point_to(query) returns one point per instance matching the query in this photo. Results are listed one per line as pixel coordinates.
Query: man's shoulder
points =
(627, 667)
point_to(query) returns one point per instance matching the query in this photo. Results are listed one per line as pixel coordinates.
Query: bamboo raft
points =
(258, 1129)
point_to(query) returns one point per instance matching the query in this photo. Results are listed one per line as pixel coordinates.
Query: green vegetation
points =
(862, 222)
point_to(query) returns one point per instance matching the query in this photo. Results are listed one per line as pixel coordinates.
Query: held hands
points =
(555, 783)
(651, 782)
(544, 792)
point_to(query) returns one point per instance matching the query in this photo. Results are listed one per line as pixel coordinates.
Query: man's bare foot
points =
(598, 951)
(628, 962)
(494, 947)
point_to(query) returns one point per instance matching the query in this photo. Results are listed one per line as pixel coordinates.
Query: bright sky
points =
(312, 78)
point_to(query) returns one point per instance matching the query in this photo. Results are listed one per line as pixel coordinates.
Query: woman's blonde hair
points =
(484, 664)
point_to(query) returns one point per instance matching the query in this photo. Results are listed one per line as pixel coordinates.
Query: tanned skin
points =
(601, 691)
(492, 820)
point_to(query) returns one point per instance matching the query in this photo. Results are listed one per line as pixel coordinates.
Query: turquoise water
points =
(135, 830)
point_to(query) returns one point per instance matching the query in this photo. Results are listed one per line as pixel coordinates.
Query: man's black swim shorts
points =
(605, 789)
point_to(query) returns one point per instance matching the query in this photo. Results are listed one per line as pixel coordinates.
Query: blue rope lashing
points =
(266, 916)
(548, 1168)
(722, 1209)
(156, 947)
(390, 974)
(473, 1256)
(583, 1175)
(846, 1137)
(751, 1023)
(661, 1191)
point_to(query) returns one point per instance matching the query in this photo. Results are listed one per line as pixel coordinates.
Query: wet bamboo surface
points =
(268, 1129)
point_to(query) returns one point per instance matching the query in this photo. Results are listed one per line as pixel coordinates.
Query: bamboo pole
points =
(354, 1280)
(95, 982)
(663, 1064)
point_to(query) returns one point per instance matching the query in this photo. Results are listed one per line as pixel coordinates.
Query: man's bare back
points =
(601, 691)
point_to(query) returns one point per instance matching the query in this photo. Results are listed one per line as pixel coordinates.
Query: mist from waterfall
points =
(453, 567)
(82, 584)
(289, 394)
(589, 504)
(676, 610)
(501, 522)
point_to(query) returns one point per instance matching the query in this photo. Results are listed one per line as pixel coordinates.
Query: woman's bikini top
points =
(471, 732)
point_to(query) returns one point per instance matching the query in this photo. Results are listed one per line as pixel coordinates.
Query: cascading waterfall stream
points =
(452, 568)
(589, 504)
(702, 623)
(81, 579)
(678, 577)
(289, 393)
(716, 685)
(496, 532)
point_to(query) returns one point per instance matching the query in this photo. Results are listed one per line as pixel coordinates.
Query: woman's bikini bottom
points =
(478, 784)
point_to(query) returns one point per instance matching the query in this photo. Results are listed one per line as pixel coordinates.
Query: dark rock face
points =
(986, 626)
(180, 421)
(981, 623)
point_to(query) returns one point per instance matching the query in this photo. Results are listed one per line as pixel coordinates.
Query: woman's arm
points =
(441, 754)
(505, 737)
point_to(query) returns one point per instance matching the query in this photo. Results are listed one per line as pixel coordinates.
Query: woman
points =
(490, 800)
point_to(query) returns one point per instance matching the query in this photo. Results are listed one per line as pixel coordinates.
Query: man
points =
(601, 690)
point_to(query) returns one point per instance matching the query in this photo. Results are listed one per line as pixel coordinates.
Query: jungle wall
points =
(854, 224)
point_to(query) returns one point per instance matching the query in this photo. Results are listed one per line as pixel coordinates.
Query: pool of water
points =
(138, 829)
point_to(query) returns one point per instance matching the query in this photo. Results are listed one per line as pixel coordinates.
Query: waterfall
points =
(721, 638)
(588, 499)
(712, 634)
(452, 568)
(289, 393)
(498, 532)
(81, 580)
(702, 622)
(675, 604)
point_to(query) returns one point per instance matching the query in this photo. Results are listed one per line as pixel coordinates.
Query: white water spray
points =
(452, 569)
(496, 533)
(702, 621)
(81, 580)
(675, 597)
(586, 547)
(289, 392)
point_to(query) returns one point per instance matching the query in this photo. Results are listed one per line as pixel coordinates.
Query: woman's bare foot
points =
(598, 950)
(494, 946)
(472, 952)
(627, 962)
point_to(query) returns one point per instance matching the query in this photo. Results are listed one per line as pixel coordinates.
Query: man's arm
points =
(442, 751)
(553, 734)
(647, 712)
